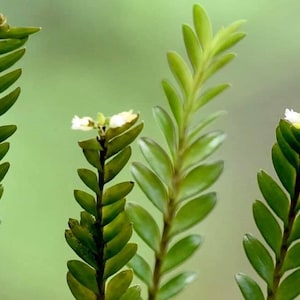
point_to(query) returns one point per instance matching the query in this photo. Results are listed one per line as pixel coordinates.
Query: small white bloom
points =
(121, 119)
(293, 117)
(84, 123)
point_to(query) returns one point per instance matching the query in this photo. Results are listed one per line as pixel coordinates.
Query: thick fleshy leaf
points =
(86, 201)
(202, 148)
(228, 42)
(1, 190)
(84, 274)
(78, 290)
(268, 226)
(249, 288)
(295, 232)
(181, 72)
(93, 158)
(6, 131)
(11, 44)
(202, 26)
(284, 170)
(292, 259)
(193, 212)
(181, 251)
(174, 101)
(116, 164)
(199, 179)
(118, 261)
(18, 32)
(289, 288)
(4, 147)
(109, 212)
(157, 158)
(175, 285)
(150, 184)
(115, 226)
(287, 133)
(133, 293)
(90, 179)
(10, 59)
(118, 285)
(8, 79)
(274, 195)
(167, 127)
(116, 192)
(141, 269)
(3, 170)
(87, 220)
(144, 225)
(259, 258)
(192, 46)
(8, 101)
(91, 144)
(123, 140)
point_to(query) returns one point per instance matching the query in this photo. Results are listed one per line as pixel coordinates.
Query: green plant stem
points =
(285, 244)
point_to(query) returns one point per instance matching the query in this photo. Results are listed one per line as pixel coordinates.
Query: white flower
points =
(84, 123)
(293, 117)
(121, 119)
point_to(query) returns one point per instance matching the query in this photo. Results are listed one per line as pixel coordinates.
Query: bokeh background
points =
(109, 56)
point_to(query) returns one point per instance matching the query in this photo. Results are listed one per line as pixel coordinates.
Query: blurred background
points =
(109, 56)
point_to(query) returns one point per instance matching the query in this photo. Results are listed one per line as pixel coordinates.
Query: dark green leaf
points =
(150, 185)
(11, 44)
(86, 201)
(289, 288)
(144, 225)
(3, 170)
(93, 157)
(287, 133)
(109, 212)
(116, 192)
(181, 251)
(118, 261)
(114, 166)
(10, 59)
(87, 220)
(1, 190)
(91, 144)
(18, 32)
(118, 285)
(8, 101)
(284, 170)
(90, 179)
(84, 274)
(274, 196)
(193, 212)
(157, 158)
(259, 258)
(6, 131)
(141, 269)
(175, 285)
(133, 293)
(199, 179)
(115, 226)
(268, 226)
(249, 288)
(292, 259)
(295, 232)
(181, 72)
(4, 147)
(78, 290)
(8, 79)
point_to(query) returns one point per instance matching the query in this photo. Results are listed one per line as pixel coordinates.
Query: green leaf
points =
(181, 251)
(118, 285)
(202, 26)
(157, 158)
(144, 225)
(3, 170)
(284, 170)
(8, 79)
(118, 261)
(115, 226)
(174, 101)
(292, 259)
(287, 133)
(114, 166)
(87, 220)
(86, 201)
(202, 148)
(289, 288)
(117, 192)
(268, 226)
(9, 100)
(295, 232)
(78, 290)
(175, 285)
(228, 42)
(150, 184)
(1, 190)
(249, 288)
(123, 140)
(11, 44)
(91, 144)
(109, 212)
(4, 147)
(210, 94)
(141, 269)
(274, 196)
(193, 212)
(199, 179)
(133, 293)
(90, 179)
(167, 127)
(93, 157)
(259, 258)
(6, 131)
(18, 32)
(10, 59)
(192, 46)
(181, 72)
(84, 274)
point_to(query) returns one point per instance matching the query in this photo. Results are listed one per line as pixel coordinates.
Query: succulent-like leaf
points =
(8, 79)
(10, 59)
(3, 170)
(249, 288)
(86, 201)
(133, 293)
(109, 212)
(115, 226)
(90, 179)
(6, 131)
(118, 285)
(116, 192)
(9, 100)
(292, 259)
(289, 288)
(4, 147)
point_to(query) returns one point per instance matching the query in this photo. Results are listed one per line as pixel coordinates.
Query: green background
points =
(109, 56)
